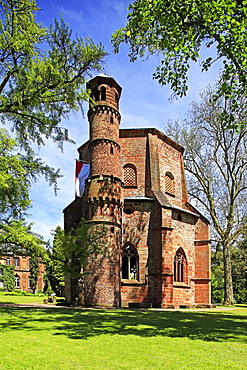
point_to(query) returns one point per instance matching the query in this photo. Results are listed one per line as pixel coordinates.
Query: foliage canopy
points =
(216, 162)
(176, 31)
(42, 78)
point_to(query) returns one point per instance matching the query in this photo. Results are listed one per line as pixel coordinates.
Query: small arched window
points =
(130, 262)
(179, 266)
(130, 178)
(169, 183)
(103, 93)
(17, 281)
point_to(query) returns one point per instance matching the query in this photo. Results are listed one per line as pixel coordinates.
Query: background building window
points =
(17, 261)
(130, 263)
(17, 281)
(130, 175)
(7, 261)
(169, 183)
(179, 266)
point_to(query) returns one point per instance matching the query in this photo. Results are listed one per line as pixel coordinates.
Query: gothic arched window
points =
(169, 183)
(179, 266)
(130, 178)
(130, 262)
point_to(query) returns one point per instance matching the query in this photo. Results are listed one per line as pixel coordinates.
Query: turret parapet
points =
(105, 89)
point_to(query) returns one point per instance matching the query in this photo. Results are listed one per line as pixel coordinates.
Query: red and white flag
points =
(82, 171)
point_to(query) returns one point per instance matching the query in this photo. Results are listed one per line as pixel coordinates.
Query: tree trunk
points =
(228, 286)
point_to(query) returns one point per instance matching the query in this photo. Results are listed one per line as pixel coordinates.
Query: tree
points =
(42, 79)
(239, 273)
(55, 269)
(177, 31)
(216, 160)
(34, 271)
(72, 250)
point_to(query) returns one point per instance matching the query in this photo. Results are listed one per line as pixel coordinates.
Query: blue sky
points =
(144, 103)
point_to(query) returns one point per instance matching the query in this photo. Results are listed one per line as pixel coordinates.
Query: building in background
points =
(158, 247)
(21, 270)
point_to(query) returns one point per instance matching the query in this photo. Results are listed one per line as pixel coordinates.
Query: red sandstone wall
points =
(133, 151)
(133, 293)
(170, 159)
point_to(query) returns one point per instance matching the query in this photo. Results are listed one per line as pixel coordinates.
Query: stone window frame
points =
(169, 183)
(130, 262)
(17, 281)
(130, 174)
(180, 267)
(17, 261)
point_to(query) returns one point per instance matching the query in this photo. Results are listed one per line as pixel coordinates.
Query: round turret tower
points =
(105, 191)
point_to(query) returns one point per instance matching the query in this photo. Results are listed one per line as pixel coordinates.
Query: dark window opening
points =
(179, 265)
(103, 93)
(111, 150)
(130, 263)
(128, 211)
(97, 95)
(111, 119)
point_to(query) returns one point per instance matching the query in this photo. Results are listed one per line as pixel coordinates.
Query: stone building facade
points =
(21, 271)
(158, 248)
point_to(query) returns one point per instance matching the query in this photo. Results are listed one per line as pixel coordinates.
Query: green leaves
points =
(177, 30)
(42, 72)
(72, 249)
(16, 236)
(42, 78)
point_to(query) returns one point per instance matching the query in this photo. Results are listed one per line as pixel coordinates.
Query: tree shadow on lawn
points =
(83, 324)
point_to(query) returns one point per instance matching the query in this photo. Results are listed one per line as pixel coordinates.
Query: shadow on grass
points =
(83, 324)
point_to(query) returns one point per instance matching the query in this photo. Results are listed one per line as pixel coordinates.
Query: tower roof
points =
(103, 78)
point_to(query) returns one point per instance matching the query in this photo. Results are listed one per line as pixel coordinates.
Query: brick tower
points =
(105, 193)
(157, 247)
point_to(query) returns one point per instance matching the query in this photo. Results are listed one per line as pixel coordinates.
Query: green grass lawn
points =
(20, 299)
(67, 338)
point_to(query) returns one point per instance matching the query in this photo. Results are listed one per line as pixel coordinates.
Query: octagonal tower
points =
(105, 192)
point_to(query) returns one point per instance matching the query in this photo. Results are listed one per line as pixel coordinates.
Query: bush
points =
(20, 293)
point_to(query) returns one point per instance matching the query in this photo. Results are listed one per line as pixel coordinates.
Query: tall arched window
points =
(103, 93)
(169, 183)
(130, 262)
(179, 265)
(17, 281)
(130, 178)
(17, 261)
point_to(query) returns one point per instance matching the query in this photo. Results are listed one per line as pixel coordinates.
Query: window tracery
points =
(169, 183)
(130, 178)
(130, 262)
(179, 265)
